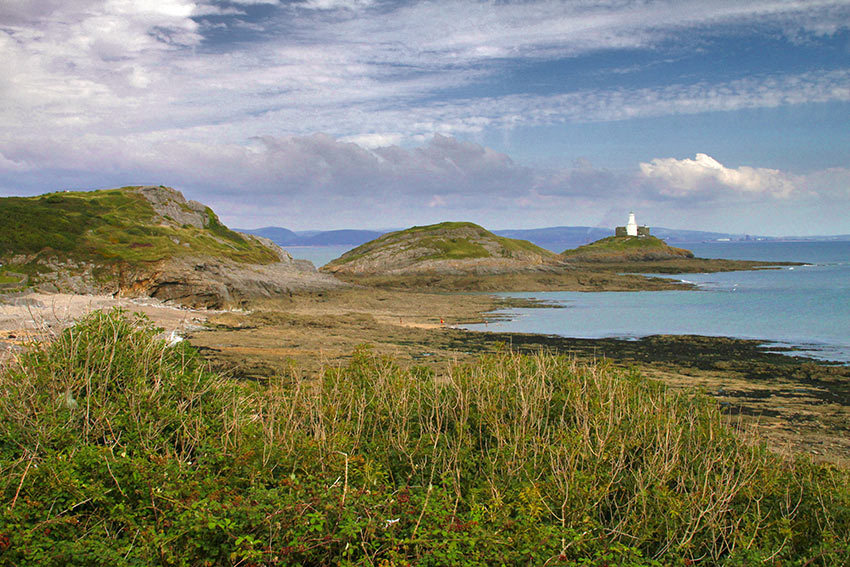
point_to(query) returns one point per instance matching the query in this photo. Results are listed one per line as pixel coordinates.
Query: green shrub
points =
(117, 448)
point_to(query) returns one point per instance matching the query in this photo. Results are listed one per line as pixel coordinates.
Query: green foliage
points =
(625, 247)
(447, 241)
(112, 226)
(117, 448)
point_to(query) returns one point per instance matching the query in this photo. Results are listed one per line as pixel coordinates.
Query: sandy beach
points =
(37, 316)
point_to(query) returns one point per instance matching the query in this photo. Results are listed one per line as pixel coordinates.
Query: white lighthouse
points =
(631, 226)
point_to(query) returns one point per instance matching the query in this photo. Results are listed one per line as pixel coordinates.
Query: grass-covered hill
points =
(626, 249)
(136, 240)
(449, 247)
(130, 224)
(118, 449)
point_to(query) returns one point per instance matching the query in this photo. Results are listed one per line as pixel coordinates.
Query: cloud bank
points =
(317, 181)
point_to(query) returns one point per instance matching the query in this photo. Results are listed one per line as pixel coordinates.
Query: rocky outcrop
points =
(446, 248)
(191, 281)
(207, 282)
(172, 207)
(145, 241)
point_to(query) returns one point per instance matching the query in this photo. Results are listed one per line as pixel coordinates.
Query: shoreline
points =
(798, 404)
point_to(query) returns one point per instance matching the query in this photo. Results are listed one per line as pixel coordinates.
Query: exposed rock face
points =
(447, 248)
(170, 204)
(207, 282)
(191, 281)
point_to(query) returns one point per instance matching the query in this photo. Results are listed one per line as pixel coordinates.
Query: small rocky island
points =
(449, 248)
(462, 256)
(618, 249)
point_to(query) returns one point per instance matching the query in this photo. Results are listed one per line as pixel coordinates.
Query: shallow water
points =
(805, 307)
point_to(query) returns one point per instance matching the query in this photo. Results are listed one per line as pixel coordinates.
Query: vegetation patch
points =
(625, 248)
(118, 448)
(443, 241)
(114, 226)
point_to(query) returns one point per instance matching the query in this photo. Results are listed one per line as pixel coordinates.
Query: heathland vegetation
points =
(118, 448)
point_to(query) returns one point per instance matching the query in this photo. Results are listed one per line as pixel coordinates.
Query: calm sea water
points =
(319, 255)
(805, 307)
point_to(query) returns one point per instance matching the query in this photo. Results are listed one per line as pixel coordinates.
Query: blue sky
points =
(320, 114)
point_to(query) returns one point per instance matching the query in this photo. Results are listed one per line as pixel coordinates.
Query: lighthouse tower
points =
(631, 226)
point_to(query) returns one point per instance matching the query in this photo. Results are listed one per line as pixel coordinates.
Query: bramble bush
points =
(116, 448)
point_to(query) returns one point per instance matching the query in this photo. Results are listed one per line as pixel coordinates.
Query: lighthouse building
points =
(632, 228)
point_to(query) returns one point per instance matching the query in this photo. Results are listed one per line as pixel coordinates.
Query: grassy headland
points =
(118, 448)
(114, 225)
(101, 231)
(465, 257)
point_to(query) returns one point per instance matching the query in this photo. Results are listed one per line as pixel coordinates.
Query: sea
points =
(805, 308)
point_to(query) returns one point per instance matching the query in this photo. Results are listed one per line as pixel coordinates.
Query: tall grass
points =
(117, 448)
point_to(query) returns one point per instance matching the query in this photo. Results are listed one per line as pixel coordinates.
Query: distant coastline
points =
(555, 239)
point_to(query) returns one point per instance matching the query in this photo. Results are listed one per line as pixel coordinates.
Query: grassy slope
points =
(112, 225)
(625, 246)
(446, 246)
(119, 449)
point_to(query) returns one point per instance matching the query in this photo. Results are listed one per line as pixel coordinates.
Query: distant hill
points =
(278, 235)
(341, 237)
(554, 238)
(449, 247)
(286, 237)
(141, 241)
(558, 237)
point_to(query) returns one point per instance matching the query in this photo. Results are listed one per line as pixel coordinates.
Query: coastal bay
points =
(797, 404)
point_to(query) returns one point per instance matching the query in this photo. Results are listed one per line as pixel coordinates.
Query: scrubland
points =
(118, 448)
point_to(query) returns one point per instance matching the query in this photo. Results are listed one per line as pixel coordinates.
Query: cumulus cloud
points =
(705, 176)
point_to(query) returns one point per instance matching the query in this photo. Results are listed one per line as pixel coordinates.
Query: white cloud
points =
(705, 176)
(99, 92)
(317, 181)
(335, 4)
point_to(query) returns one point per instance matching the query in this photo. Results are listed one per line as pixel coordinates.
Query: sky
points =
(721, 115)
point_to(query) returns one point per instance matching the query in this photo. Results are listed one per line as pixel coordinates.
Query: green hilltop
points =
(437, 242)
(130, 225)
(626, 248)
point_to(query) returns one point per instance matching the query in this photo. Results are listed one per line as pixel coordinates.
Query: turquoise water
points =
(319, 255)
(805, 307)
